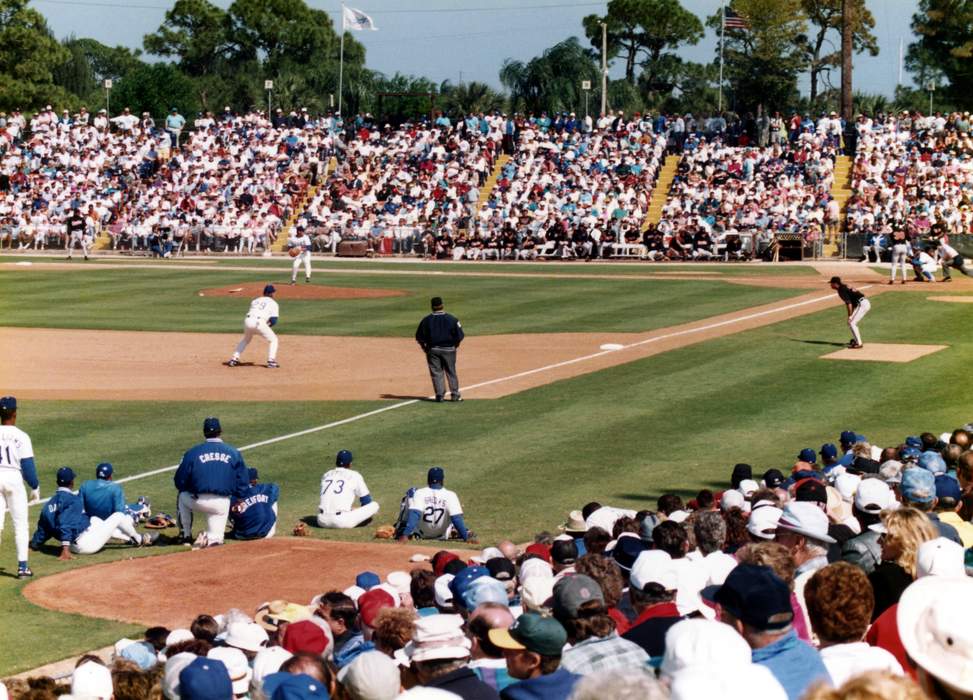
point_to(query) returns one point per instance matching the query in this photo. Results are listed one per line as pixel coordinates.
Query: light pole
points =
(269, 87)
(604, 67)
(586, 86)
(108, 85)
(931, 87)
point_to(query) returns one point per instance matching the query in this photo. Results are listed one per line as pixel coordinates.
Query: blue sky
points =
(442, 39)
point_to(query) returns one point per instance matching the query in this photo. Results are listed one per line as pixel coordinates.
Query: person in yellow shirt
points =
(948, 494)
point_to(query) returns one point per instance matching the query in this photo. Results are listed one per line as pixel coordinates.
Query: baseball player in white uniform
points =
(300, 240)
(16, 467)
(261, 317)
(901, 254)
(431, 513)
(339, 489)
(950, 257)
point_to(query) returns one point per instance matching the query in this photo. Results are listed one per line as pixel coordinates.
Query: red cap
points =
(540, 550)
(439, 561)
(372, 602)
(305, 636)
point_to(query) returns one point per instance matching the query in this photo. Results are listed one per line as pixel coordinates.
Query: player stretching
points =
(857, 306)
(263, 315)
(302, 242)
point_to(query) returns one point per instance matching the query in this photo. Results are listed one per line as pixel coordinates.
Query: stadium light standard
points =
(604, 67)
(931, 87)
(586, 86)
(108, 85)
(269, 87)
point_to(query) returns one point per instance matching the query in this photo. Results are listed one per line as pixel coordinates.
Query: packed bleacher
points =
(840, 575)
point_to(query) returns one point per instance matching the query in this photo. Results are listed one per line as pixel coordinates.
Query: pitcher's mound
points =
(885, 352)
(249, 290)
(173, 588)
(955, 300)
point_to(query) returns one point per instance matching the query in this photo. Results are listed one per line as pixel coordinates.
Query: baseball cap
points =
(933, 461)
(236, 665)
(948, 487)
(535, 568)
(940, 557)
(773, 478)
(372, 675)
(372, 603)
(537, 633)
(847, 484)
(103, 470)
(732, 499)
(501, 568)
(918, 485)
(754, 595)
(205, 679)
(267, 661)
(536, 594)
(708, 643)
(440, 559)
(564, 552)
(909, 454)
(935, 624)
(92, 680)
(811, 491)
(269, 289)
(726, 682)
(435, 475)
(443, 596)
(436, 302)
(484, 590)
(304, 635)
(8, 403)
(747, 487)
(65, 475)
(807, 455)
(805, 519)
(654, 566)
(763, 522)
(400, 581)
(252, 473)
(462, 581)
(740, 472)
(343, 459)
(627, 549)
(294, 686)
(847, 437)
(367, 579)
(828, 451)
(572, 592)
(914, 441)
(211, 426)
(437, 637)
(873, 496)
(248, 636)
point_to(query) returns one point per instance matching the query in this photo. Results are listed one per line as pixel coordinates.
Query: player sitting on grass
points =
(253, 514)
(63, 519)
(432, 513)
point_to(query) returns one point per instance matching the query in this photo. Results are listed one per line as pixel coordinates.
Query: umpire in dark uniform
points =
(439, 335)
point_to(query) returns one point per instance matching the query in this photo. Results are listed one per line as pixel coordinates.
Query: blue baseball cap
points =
(914, 441)
(808, 455)
(293, 686)
(8, 403)
(847, 437)
(933, 461)
(269, 289)
(252, 473)
(909, 454)
(367, 580)
(627, 550)
(435, 475)
(948, 487)
(828, 451)
(756, 596)
(485, 589)
(211, 426)
(205, 679)
(461, 582)
(65, 475)
(343, 459)
(103, 470)
(918, 485)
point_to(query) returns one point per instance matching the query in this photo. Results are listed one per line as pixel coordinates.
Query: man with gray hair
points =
(710, 531)
(803, 530)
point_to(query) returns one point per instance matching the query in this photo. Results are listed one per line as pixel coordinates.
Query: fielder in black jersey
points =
(857, 306)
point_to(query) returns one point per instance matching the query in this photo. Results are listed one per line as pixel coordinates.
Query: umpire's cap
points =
(269, 289)
(343, 459)
(211, 427)
(65, 475)
(436, 302)
(104, 470)
(435, 475)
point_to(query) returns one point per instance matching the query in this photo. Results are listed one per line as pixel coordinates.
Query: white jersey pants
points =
(900, 257)
(864, 306)
(349, 518)
(84, 242)
(250, 327)
(13, 498)
(116, 525)
(304, 257)
(216, 510)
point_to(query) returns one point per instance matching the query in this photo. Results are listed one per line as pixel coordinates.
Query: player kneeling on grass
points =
(339, 489)
(432, 513)
(253, 514)
(63, 519)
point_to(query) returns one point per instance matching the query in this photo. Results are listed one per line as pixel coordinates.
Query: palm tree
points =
(469, 98)
(552, 81)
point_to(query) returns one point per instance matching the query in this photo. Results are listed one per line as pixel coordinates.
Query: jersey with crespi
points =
(436, 507)
(263, 309)
(101, 498)
(339, 489)
(252, 514)
(212, 467)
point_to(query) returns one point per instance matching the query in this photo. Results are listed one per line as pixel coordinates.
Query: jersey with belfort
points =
(436, 507)
(339, 489)
(252, 514)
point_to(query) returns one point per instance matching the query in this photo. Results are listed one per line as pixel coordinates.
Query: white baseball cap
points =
(873, 496)
(727, 683)
(371, 676)
(732, 499)
(170, 677)
(236, 665)
(248, 636)
(654, 566)
(92, 680)
(847, 485)
(747, 487)
(935, 623)
(806, 519)
(535, 567)
(703, 643)
(940, 557)
(177, 636)
(763, 522)
(400, 581)
(444, 596)
(268, 660)
(536, 593)
(353, 592)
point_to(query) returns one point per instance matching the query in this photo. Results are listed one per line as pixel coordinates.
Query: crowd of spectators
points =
(841, 576)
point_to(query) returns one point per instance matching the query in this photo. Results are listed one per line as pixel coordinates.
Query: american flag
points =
(731, 20)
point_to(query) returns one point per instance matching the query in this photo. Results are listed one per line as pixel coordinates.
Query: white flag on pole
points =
(356, 19)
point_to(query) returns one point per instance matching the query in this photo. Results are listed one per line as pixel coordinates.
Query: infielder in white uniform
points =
(431, 513)
(301, 241)
(16, 467)
(263, 314)
(901, 255)
(339, 489)
(950, 257)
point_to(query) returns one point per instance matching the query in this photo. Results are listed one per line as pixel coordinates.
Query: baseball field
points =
(120, 360)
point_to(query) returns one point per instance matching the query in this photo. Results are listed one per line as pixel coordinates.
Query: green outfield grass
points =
(675, 421)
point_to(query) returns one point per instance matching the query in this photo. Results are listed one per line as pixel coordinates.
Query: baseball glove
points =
(385, 532)
(300, 530)
(294, 252)
(160, 522)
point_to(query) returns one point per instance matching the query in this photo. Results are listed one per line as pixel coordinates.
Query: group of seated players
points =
(843, 575)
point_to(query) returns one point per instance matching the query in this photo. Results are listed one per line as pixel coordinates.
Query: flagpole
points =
(722, 32)
(341, 60)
